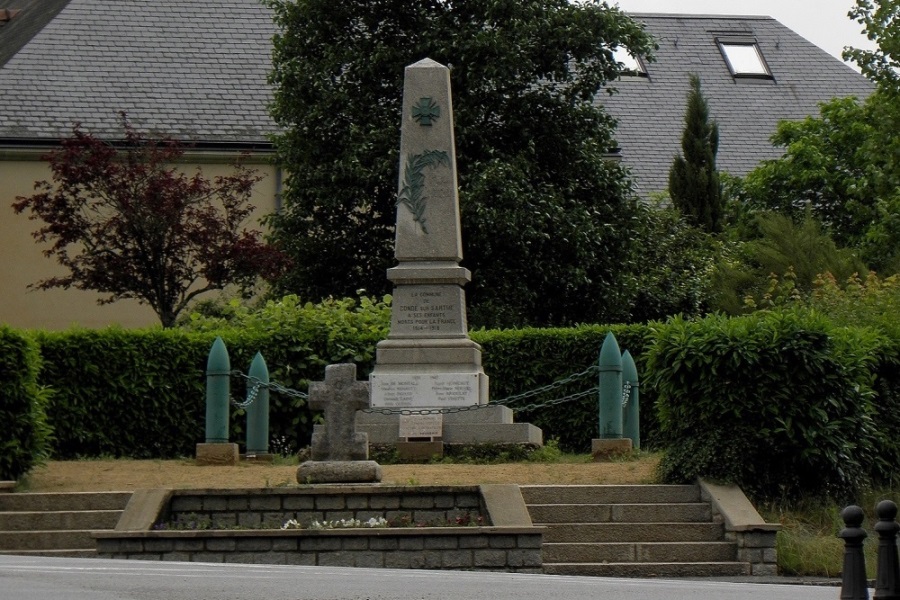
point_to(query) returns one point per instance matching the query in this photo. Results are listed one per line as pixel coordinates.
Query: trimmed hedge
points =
(141, 394)
(781, 403)
(509, 358)
(24, 436)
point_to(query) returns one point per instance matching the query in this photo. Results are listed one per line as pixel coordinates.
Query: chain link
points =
(253, 392)
(549, 387)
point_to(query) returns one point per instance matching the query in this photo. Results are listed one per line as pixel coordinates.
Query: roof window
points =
(631, 64)
(744, 58)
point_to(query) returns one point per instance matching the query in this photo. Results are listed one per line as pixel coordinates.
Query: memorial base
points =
(488, 425)
(339, 471)
(217, 454)
(605, 449)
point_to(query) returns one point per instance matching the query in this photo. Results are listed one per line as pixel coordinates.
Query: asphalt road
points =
(37, 578)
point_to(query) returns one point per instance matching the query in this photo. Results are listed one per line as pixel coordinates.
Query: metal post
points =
(631, 420)
(610, 389)
(887, 578)
(853, 581)
(258, 411)
(218, 393)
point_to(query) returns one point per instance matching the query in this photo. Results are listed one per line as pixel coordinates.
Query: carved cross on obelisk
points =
(340, 396)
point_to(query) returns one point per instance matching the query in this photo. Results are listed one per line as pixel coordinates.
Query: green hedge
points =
(141, 393)
(781, 403)
(778, 402)
(24, 436)
(526, 359)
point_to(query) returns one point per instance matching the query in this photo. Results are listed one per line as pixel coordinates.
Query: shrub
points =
(780, 403)
(25, 435)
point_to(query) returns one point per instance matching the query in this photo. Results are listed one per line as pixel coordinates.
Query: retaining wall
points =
(506, 542)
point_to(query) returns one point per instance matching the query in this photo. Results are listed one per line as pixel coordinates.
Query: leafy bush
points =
(780, 403)
(25, 435)
(780, 246)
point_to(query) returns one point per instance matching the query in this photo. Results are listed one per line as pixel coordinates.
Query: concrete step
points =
(77, 501)
(57, 520)
(610, 494)
(634, 532)
(701, 569)
(46, 540)
(699, 512)
(74, 553)
(647, 552)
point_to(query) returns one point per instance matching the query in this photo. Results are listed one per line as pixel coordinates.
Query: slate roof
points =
(192, 69)
(650, 110)
(27, 18)
(197, 69)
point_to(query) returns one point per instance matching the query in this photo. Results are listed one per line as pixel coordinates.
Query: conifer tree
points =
(693, 180)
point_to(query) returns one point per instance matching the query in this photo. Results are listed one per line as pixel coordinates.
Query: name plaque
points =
(435, 390)
(421, 426)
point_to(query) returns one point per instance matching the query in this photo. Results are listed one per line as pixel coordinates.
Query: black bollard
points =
(887, 580)
(853, 585)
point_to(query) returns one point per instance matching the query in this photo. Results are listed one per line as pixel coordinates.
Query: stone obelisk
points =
(428, 359)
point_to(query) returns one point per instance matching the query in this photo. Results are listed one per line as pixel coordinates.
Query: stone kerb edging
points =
(743, 524)
(509, 541)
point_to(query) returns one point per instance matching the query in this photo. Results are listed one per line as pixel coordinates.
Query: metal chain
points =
(274, 386)
(253, 393)
(547, 388)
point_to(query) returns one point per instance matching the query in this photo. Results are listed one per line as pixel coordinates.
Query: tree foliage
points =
(544, 216)
(693, 179)
(881, 22)
(844, 164)
(125, 222)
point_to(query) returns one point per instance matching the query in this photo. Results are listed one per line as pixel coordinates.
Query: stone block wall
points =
(456, 548)
(250, 531)
(272, 508)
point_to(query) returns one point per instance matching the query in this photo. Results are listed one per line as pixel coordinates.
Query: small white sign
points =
(434, 390)
(421, 426)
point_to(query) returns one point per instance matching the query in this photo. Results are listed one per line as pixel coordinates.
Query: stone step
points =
(670, 569)
(646, 552)
(610, 494)
(634, 532)
(698, 512)
(71, 553)
(46, 540)
(74, 501)
(59, 520)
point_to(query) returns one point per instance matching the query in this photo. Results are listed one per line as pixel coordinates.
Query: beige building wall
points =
(22, 261)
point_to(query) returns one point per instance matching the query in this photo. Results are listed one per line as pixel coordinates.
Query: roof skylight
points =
(744, 59)
(631, 65)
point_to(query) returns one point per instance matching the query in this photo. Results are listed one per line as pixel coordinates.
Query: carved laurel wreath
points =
(412, 191)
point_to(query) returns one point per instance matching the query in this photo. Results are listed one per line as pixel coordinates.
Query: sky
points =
(823, 22)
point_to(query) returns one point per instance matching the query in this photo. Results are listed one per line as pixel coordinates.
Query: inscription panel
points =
(427, 311)
(398, 390)
(421, 426)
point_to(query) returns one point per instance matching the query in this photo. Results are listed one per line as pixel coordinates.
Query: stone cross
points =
(340, 396)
